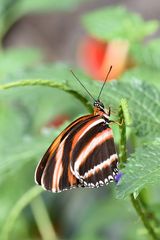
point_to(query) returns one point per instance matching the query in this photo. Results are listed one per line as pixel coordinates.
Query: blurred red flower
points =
(96, 57)
(57, 121)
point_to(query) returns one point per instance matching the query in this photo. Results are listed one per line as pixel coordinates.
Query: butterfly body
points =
(83, 155)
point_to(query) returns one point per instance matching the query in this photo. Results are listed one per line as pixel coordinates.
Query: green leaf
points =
(147, 59)
(27, 150)
(142, 168)
(10, 117)
(145, 73)
(59, 72)
(147, 55)
(118, 23)
(144, 104)
(15, 60)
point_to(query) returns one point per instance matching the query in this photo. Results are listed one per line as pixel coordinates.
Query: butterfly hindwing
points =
(94, 158)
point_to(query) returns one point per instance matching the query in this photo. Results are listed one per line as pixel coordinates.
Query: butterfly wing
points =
(53, 172)
(94, 159)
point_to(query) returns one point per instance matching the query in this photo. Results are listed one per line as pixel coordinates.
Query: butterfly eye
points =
(98, 104)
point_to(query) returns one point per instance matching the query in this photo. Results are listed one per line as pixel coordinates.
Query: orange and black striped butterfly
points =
(83, 155)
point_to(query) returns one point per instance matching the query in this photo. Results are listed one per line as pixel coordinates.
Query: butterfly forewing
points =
(53, 171)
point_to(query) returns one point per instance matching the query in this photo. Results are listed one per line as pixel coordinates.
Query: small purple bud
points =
(118, 177)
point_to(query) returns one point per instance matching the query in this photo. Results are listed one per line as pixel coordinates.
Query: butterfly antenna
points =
(104, 82)
(82, 84)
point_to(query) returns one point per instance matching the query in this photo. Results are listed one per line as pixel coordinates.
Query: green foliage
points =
(117, 23)
(28, 149)
(144, 73)
(97, 223)
(12, 10)
(14, 60)
(148, 54)
(14, 186)
(138, 93)
(146, 58)
(41, 92)
(26, 6)
(25, 113)
(24, 119)
(26, 199)
(143, 99)
(143, 168)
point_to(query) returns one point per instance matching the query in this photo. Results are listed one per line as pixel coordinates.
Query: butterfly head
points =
(100, 110)
(98, 104)
(98, 107)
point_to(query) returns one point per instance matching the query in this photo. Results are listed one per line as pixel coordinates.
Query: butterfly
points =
(83, 155)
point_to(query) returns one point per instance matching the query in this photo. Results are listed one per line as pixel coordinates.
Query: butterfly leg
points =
(116, 122)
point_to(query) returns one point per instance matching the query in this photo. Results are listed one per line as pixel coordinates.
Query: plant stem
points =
(137, 204)
(42, 219)
(17, 209)
(122, 143)
(48, 83)
(142, 198)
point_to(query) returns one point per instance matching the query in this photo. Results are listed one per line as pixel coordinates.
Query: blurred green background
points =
(39, 42)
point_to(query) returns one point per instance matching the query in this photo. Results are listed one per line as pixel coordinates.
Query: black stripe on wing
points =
(98, 154)
(64, 180)
(90, 134)
(98, 166)
(40, 168)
